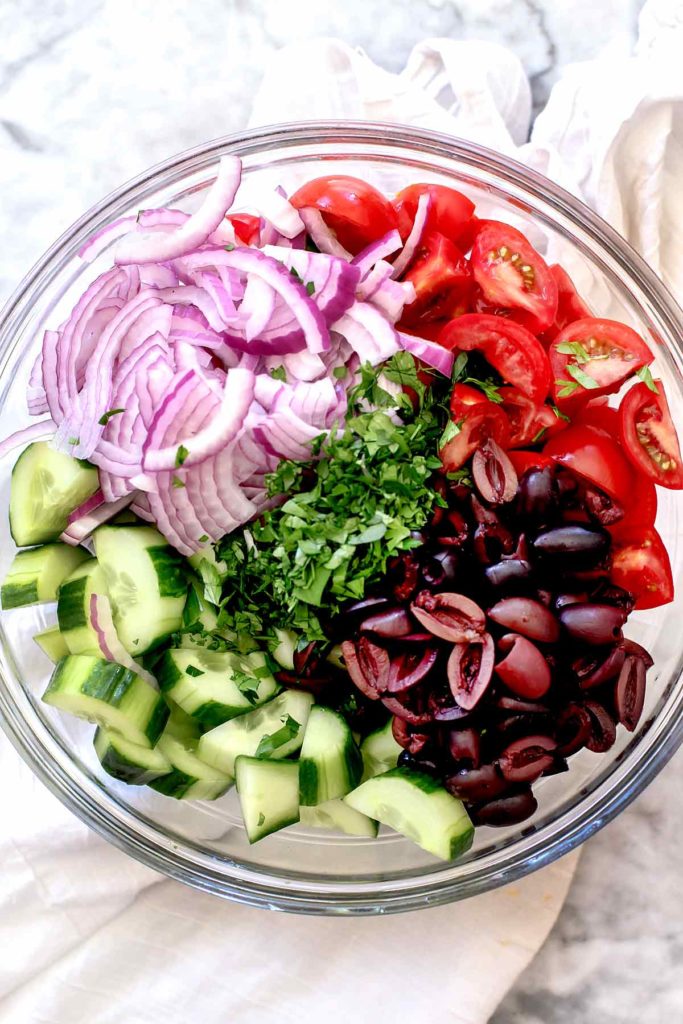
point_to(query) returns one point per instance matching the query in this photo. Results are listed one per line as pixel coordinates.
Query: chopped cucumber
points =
(284, 649)
(129, 762)
(110, 695)
(35, 575)
(380, 752)
(46, 486)
(269, 795)
(73, 607)
(215, 686)
(190, 778)
(330, 764)
(274, 730)
(337, 815)
(415, 805)
(52, 643)
(146, 582)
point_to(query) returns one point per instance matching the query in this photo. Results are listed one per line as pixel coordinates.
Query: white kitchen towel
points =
(87, 933)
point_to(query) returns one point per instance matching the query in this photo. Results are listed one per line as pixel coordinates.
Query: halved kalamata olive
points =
(607, 593)
(537, 497)
(417, 762)
(405, 570)
(573, 729)
(475, 784)
(527, 758)
(417, 638)
(567, 485)
(440, 568)
(545, 597)
(494, 475)
(601, 507)
(522, 707)
(562, 600)
(603, 730)
(464, 745)
(453, 530)
(414, 742)
(390, 622)
(630, 647)
(629, 693)
(509, 573)
(573, 547)
(470, 668)
(314, 684)
(594, 671)
(524, 670)
(528, 617)
(449, 616)
(596, 624)
(414, 715)
(558, 767)
(507, 810)
(409, 667)
(492, 542)
(305, 660)
(361, 609)
(368, 666)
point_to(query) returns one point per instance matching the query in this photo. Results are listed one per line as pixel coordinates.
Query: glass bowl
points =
(300, 870)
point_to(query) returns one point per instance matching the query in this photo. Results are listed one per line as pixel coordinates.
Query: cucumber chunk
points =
(415, 805)
(146, 582)
(35, 575)
(269, 795)
(330, 764)
(51, 642)
(190, 778)
(73, 607)
(284, 648)
(337, 815)
(274, 730)
(380, 752)
(129, 762)
(110, 695)
(46, 486)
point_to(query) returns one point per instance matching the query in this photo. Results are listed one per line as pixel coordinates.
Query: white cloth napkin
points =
(87, 933)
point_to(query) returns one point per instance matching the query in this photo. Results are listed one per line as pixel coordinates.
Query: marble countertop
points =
(92, 92)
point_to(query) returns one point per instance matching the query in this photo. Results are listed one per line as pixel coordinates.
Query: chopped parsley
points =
(272, 741)
(558, 412)
(203, 539)
(211, 579)
(310, 288)
(177, 482)
(645, 375)
(340, 372)
(451, 430)
(192, 670)
(278, 373)
(247, 685)
(261, 819)
(106, 416)
(574, 348)
(181, 454)
(583, 378)
(74, 440)
(488, 384)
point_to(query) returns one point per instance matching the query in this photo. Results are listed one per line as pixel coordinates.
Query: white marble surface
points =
(93, 91)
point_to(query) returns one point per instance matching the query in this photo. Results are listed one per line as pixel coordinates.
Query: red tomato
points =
(529, 423)
(570, 305)
(356, 212)
(594, 357)
(247, 227)
(640, 509)
(477, 418)
(597, 413)
(450, 212)
(511, 273)
(595, 457)
(649, 435)
(528, 460)
(442, 280)
(518, 357)
(640, 564)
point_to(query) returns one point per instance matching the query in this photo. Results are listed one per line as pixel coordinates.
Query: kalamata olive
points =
(361, 609)
(537, 496)
(629, 693)
(544, 597)
(562, 600)
(368, 666)
(558, 767)
(573, 729)
(417, 638)
(440, 568)
(453, 530)
(390, 622)
(417, 763)
(601, 507)
(572, 547)
(603, 730)
(599, 668)
(444, 708)
(470, 668)
(494, 475)
(306, 660)
(405, 571)
(414, 742)
(510, 573)
(630, 647)
(314, 684)
(464, 745)
(524, 670)
(449, 616)
(522, 707)
(607, 593)
(527, 758)
(409, 667)
(414, 715)
(595, 624)
(527, 617)
(567, 485)
(506, 810)
(475, 784)
(492, 542)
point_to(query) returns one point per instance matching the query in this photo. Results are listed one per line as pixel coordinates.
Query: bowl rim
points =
(420, 890)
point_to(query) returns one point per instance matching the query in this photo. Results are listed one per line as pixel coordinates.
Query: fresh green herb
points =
(261, 819)
(247, 685)
(192, 609)
(211, 578)
(488, 385)
(539, 435)
(192, 670)
(229, 247)
(461, 476)
(566, 387)
(459, 368)
(451, 430)
(296, 275)
(583, 378)
(181, 454)
(177, 482)
(270, 742)
(340, 372)
(106, 416)
(310, 288)
(645, 375)
(576, 349)
(558, 412)
(203, 539)
(278, 373)
(74, 440)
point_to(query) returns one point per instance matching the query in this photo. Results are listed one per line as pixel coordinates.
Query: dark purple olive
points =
(408, 668)
(305, 660)
(601, 507)
(414, 742)
(417, 763)
(453, 530)
(528, 617)
(475, 784)
(411, 714)
(573, 729)
(361, 609)
(567, 486)
(440, 568)
(452, 617)
(629, 693)
(558, 767)
(524, 670)
(572, 547)
(470, 668)
(537, 496)
(444, 709)
(492, 543)
(545, 597)
(494, 475)
(507, 810)
(405, 570)
(417, 638)
(368, 666)
(522, 707)
(608, 593)
(509, 573)
(527, 758)
(595, 624)
(464, 745)
(390, 622)
(562, 600)
(314, 684)
(630, 647)
(603, 730)
(594, 670)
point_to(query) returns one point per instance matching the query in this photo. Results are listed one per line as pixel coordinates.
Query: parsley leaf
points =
(247, 685)
(310, 288)
(192, 670)
(106, 416)
(539, 435)
(576, 349)
(278, 373)
(203, 539)
(74, 440)
(177, 482)
(181, 454)
(211, 579)
(461, 476)
(583, 378)
(340, 372)
(645, 375)
(272, 741)
(459, 367)
(451, 430)
(558, 412)
(566, 387)
(261, 819)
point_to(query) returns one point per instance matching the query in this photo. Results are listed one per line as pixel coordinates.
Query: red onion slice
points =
(322, 236)
(108, 640)
(415, 237)
(429, 352)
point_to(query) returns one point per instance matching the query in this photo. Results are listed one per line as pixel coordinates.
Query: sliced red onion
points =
(429, 352)
(276, 208)
(392, 296)
(324, 238)
(374, 280)
(415, 237)
(385, 246)
(331, 281)
(81, 527)
(103, 238)
(368, 333)
(108, 639)
(36, 432)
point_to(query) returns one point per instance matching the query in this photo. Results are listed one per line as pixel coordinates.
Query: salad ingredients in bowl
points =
(344, 499)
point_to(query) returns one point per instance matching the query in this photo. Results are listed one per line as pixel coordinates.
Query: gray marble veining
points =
(92, 92)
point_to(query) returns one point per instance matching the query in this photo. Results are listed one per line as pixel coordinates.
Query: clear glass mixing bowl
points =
(204, 844)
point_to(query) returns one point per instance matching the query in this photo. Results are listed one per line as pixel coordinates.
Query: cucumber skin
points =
(211, 713)
(89, 483)
(120, 767)
(169, 569)
(19, 595)
(71, 604)
(175, 783)
(310, 779)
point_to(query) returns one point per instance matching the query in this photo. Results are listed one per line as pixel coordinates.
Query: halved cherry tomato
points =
(442, 280)
(356, 212)
(591, 454)
(570, 305)
(594, 357)
(649, 435)
(513, 351)
(450, 212)
(597, 413)
(476, 418)
(511, 273)
(640, 510)
(529, 423)
(640, 564)
(247, 227)
(528, 460)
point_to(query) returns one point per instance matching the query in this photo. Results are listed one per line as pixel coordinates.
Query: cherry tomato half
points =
(356, 212)
(597, 413)
(529, 423)
(510, 272)
(528, 460)
(640, 564)
(475, 418)
(442, 280)
(513, 351)
(570, 305)
(591, 454)
(450, 212)
(640, 510)
(594, 357)
(247, 227)
(649, 435)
